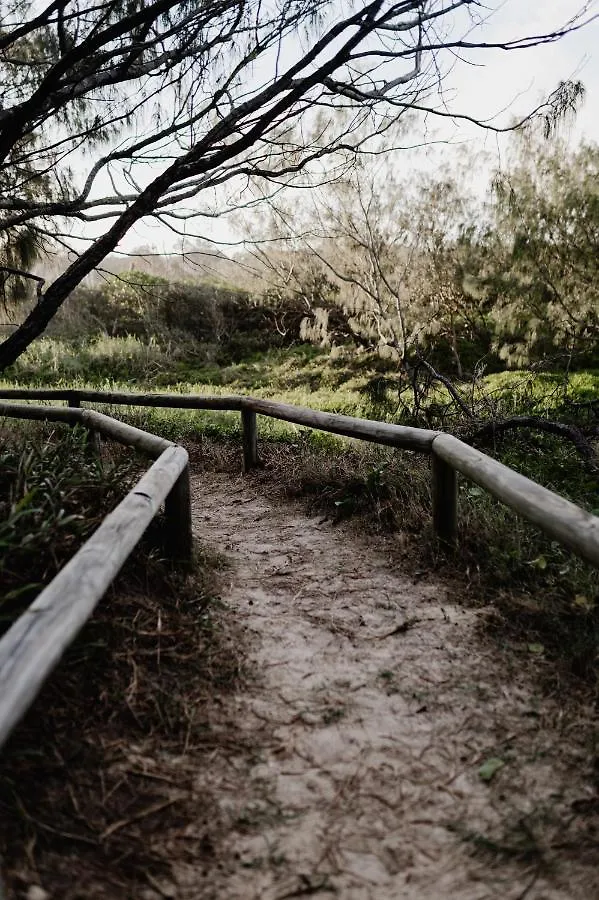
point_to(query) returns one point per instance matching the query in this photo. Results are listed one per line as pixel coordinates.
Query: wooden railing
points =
(559, 518)
(34, 644)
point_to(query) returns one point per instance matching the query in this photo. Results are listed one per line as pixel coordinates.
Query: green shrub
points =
(134, 304)
(53, 494)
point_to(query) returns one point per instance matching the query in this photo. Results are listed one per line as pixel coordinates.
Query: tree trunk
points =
(53, 298)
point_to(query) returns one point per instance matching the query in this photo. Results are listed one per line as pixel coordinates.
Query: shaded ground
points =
(97, 784)
(333, 728)
(394, 754)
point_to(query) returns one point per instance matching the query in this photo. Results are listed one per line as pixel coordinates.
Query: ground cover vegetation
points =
(53, 495)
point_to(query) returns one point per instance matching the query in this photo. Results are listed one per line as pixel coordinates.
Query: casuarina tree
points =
(113, 111)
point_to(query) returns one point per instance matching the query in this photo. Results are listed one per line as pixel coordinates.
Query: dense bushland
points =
(211, 320)
(414, 266)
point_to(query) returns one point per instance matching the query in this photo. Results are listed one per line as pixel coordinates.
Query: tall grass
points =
(54, 361)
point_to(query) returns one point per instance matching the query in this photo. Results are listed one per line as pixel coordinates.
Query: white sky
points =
(519, 79)
(498, 83)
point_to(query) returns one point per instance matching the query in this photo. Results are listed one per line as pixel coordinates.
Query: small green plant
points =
(333, 714)
(389, 682)
(53, 494)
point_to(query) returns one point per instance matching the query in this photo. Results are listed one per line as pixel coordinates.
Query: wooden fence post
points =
(249, 438)
(445, 501)
(178, 542)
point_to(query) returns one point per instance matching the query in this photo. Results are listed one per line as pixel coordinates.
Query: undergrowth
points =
(53, 495)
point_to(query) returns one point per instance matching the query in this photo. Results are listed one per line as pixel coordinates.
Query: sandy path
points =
(373, 708)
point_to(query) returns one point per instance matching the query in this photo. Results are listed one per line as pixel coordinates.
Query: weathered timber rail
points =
(36, 641)
(33, 645)
(562, 520)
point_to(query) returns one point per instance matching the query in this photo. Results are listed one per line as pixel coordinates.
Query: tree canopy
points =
(544, 251)
(116, 110)
(424, 268)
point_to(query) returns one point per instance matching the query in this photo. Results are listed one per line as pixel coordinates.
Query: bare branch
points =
(21, 273)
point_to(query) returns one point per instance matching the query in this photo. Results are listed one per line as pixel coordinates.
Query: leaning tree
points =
(112, 111)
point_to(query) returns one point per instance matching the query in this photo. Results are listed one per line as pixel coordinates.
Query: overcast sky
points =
(492, 80)
(505, 84)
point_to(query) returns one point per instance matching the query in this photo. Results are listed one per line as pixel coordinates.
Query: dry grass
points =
(96, 786)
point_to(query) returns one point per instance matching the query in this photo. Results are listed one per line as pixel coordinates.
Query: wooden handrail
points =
(37, 639)
(561, 519)
(419, 439)
(150, 444)
(35, 642)
(41, 413)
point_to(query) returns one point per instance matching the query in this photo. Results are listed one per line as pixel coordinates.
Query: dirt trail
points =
(373, 708)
